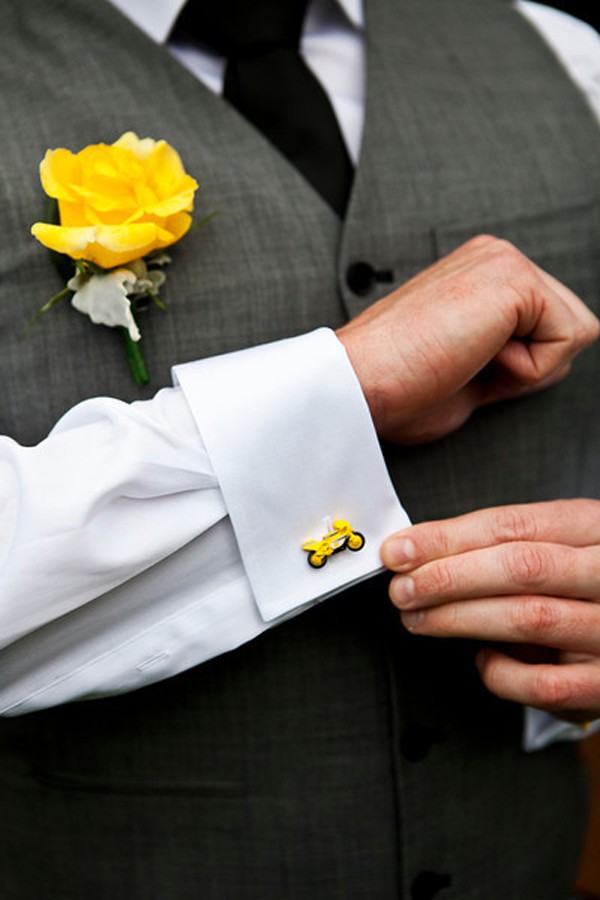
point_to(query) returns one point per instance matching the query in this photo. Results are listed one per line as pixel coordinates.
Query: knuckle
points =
(440, 579)
(506, 253)
(531, 381)
(443, 543)
(453, 617)
(493, 243)
(581, 335)
(534, 619)
(482, 240)
(513, 523)
(555, 689)
(503, 264)
(433, 540)
(499, 250)
(588, 327)
(526, 563)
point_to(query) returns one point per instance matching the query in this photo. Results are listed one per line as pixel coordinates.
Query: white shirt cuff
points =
(296, 446)
(542, 729)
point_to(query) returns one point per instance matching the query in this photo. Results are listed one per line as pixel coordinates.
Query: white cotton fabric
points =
(333, 471)
(119, 562)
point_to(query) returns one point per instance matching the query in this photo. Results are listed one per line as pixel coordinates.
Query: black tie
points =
(267, 80)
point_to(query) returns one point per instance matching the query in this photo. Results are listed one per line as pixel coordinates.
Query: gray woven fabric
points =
(334, 758)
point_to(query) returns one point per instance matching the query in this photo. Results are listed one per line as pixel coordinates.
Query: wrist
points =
(361, 361)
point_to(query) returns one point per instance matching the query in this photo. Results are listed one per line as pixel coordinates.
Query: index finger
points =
(575, 523)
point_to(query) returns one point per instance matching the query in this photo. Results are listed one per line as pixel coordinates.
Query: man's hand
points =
(528, 576)
(420, 353)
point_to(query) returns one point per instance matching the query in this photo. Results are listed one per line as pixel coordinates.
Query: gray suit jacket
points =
(334, 757)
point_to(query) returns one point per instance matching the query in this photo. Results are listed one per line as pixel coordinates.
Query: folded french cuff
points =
(294, 448)
(542, 729)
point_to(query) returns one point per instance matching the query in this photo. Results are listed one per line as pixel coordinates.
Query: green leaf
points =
(207, 219)
(46, 307)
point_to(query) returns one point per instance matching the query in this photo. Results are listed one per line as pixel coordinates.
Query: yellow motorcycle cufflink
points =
(341, 537)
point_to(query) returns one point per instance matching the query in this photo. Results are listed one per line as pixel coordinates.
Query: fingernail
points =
(402, 590)
(399, 551)
(413, 619)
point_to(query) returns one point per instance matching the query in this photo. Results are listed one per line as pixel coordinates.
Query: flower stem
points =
(135, 360)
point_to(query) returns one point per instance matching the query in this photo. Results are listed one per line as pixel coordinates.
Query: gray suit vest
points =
(335, 757)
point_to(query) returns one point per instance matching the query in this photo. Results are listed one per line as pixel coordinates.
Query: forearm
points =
(132, 553)
(114, 489)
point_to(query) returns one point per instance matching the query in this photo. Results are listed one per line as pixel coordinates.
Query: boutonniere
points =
(113, 210)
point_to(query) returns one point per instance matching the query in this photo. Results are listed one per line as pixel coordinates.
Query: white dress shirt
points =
(139, 540)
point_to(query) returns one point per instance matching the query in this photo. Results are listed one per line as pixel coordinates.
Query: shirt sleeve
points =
(139, 540)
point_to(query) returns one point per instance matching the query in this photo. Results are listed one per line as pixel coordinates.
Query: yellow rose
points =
(117, 202)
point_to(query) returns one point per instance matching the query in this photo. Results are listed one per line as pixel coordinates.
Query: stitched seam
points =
(108, 653)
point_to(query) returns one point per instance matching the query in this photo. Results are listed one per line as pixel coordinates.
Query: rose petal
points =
(130, 141)
(164, 166)
(123, 238)
(178, 225)
(117, 202)
(178, 202)
(59, 169)
(72, 241)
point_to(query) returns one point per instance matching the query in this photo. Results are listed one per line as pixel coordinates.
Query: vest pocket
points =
(564, 242)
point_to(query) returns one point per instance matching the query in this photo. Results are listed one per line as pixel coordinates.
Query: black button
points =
(416, 742)
(360, 278)
(427, 884)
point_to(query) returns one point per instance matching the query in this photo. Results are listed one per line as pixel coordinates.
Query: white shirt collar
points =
(156, 19)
